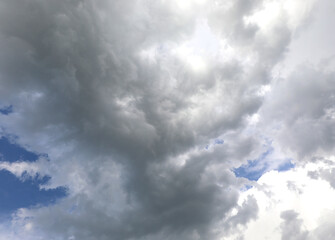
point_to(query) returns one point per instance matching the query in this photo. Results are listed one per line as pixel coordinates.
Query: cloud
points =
(124, 97)
(291, 227)
(302, 107)
(292, 205)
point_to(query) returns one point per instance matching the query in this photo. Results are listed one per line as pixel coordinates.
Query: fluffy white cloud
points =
(292, 205)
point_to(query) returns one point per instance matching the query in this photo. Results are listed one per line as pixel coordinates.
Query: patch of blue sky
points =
(217, 141)
(250, 171)
(285, 166)
(254, 169)
(18, 193)
(246, 187)
(11, 152)
(15, 193)
(6, 110)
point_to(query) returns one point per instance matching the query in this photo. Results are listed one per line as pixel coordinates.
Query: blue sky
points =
(6, 110)
(255, 168)
(20, 193)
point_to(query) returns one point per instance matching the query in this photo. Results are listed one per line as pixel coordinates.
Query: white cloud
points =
(311, 200)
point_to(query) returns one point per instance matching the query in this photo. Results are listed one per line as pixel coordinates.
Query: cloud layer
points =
(144, 108)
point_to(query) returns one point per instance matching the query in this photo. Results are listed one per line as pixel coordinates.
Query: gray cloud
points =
(291, 227)
(128, 135)
(302, 105)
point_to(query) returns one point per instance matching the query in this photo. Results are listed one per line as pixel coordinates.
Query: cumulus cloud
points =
(128, 99)
(302, 106)
(292, 205)
(291, 227)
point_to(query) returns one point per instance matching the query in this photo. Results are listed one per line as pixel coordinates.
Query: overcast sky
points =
(167, 119)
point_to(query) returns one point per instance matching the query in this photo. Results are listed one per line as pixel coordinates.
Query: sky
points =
(167, 119)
